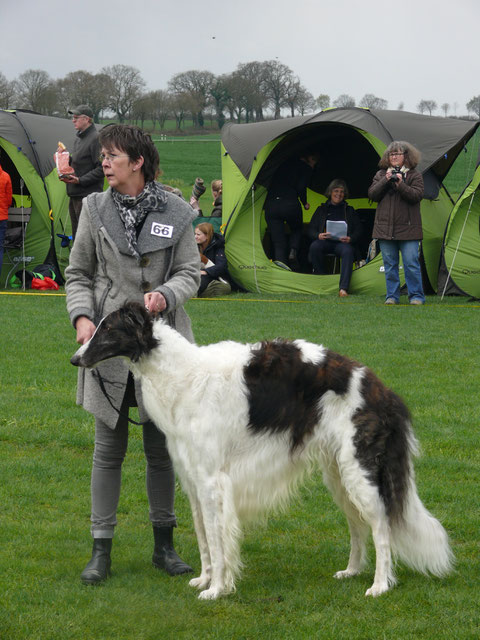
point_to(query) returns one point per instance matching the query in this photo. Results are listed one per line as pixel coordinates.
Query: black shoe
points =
(98, 569)
(164, 555)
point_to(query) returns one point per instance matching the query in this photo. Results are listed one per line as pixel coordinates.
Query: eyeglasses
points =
(111, 157)
(396, 153)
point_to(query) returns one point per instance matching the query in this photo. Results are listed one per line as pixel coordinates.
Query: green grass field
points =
(429, 355)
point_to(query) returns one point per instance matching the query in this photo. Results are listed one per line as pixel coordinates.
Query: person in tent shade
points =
(85, 159)
(5, 202)
(334, 230)
(282, 206)
(398, 189)
(135, 242)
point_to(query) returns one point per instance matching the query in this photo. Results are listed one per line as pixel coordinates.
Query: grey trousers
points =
(108, 456)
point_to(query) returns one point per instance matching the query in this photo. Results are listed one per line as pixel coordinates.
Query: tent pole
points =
(253, 238)
(458, 244)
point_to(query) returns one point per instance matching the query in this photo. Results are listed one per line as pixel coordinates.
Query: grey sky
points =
(402, 51)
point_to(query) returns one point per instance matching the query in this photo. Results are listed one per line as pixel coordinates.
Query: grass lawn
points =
(429, 355)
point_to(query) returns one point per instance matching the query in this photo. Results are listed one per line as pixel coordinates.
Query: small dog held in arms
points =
(244, 422)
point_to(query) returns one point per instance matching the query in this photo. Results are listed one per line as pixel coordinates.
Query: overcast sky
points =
(399, 50)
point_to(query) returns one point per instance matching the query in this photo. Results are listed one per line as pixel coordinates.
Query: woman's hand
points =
(345, 239)
(85, 329)
(155, 302)
(324, 236)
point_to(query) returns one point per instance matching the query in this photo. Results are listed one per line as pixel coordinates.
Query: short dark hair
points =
(135, 143)
(337, 184)
(411, 154)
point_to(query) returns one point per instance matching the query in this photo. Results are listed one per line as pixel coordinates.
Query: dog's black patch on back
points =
(284, 391)
(382, 442)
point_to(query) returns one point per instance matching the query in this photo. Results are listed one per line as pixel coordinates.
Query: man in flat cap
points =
(85, 159)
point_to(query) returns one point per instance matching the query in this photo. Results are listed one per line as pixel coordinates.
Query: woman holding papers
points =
(334, 229)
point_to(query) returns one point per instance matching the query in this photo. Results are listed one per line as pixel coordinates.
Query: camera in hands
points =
(396, 171)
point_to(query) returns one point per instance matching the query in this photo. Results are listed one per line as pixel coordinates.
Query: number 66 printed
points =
(161, 230)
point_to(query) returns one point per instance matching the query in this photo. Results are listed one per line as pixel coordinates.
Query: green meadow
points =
(429, 355)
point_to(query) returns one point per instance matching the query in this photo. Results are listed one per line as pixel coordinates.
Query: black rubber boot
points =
(164, 555)
(98, 569)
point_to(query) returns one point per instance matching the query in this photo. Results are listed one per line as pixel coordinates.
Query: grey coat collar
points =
(161, 229)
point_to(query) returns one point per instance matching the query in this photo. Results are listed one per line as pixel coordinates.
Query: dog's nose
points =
(75, 360)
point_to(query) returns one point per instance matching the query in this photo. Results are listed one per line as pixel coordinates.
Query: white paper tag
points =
(161, 230)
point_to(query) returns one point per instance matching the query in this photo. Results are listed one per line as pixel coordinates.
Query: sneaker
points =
(390, 301)
(281, 264)
(416, 301)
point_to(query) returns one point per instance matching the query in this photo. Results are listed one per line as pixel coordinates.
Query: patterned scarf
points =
(133, 210)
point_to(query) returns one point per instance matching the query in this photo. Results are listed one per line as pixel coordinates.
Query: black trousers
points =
(279, 211)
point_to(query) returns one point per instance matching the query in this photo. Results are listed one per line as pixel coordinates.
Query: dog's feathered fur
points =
(245, 422)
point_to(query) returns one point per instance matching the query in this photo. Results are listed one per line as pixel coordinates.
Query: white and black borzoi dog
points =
(244, 422)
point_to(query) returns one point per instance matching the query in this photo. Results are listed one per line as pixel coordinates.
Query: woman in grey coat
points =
(134, 242)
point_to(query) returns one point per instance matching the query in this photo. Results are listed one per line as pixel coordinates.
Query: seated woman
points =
(334, 209)
(214, 273)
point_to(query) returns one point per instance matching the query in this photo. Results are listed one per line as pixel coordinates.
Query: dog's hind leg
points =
(384, 577)
(358, 551)
(358, 528)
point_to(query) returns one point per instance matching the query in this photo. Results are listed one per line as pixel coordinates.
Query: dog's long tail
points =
(418, 539)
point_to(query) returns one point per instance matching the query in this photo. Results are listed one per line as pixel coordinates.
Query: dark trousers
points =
(343, 250)
(74, 209)
(279, 211)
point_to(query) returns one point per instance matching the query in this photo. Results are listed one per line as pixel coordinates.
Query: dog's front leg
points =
(203, 580)
(212, 500)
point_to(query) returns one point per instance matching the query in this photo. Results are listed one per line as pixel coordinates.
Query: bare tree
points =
(161, 107)
(7, 92)
(344, 101)
(445, 107)
(473, 106)
(323, 101)
(426, 105)
(35, 90)
(297, 97)
(401, 106)
(252, 76)
(196, 85)
(126, 87)
(83, 87)
(277, 79)
(371, 101)
(219, 97)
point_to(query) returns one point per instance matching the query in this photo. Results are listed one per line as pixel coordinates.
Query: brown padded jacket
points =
(398, 211)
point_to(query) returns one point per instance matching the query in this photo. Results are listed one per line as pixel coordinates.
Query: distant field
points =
(182, 159)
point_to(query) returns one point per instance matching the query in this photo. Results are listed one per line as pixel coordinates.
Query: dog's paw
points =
(202, 582)
(376, 590)
(347, 573)
(210, 594)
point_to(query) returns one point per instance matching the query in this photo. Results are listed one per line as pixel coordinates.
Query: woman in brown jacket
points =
(398, 189)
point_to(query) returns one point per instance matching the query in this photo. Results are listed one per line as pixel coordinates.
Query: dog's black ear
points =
(139, 324)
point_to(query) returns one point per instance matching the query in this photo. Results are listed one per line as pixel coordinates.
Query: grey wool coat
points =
(103, 274)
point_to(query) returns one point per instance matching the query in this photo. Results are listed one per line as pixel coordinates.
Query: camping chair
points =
(18, 218)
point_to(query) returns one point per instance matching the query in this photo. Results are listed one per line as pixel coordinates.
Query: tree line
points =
(255, 91)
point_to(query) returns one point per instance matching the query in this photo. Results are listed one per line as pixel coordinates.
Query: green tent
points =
(28, 142)
(350, 142)
(459, 272)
